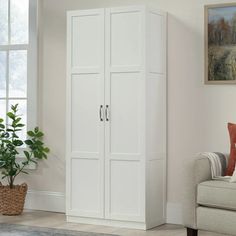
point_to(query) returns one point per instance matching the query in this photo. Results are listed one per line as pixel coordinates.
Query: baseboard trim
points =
(106, 222)
(55, 202)
(45, 201)
(174, 213)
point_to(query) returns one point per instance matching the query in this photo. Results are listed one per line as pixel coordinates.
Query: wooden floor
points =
(56, 220)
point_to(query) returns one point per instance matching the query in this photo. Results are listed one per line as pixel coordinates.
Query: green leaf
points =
(19, 125)
(44, 156)
(18, 120)
(10, 130)
(2, 163)
(17, 165)
(28, 142)
(11, 115)
(16, 130)
(36, 129)
(15, 136)
(32, 160)
(17, 143)
(1, 120)
(47, 150)
(12, 172)
(6, 135)
(6, 141)
(38, 143)
(14, 107)
(31, 133)
(27, 155)
(39, 134)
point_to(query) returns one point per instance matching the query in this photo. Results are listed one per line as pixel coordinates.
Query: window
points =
(18, 59)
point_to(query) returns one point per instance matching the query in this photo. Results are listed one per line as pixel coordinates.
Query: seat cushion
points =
(218, 194)
(216, 220)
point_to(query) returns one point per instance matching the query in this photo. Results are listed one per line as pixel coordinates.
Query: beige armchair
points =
(209, 204)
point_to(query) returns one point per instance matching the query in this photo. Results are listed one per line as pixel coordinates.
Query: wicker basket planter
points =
(12, 200)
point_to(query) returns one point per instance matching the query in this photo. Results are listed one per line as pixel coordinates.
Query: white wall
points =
(198, 113)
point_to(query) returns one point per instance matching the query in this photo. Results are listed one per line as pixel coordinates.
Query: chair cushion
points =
(218, 194)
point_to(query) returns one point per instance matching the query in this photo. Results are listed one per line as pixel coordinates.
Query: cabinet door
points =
(85, 127)
(125, 113)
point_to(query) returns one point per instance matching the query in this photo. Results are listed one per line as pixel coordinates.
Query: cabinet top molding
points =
(144, 7)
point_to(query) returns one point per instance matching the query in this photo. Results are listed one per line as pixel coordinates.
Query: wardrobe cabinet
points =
(116, 117)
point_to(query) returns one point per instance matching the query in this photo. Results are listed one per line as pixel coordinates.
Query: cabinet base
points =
(112, 223)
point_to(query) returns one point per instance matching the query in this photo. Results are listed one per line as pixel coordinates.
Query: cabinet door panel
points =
(124, 94)
(85, 130)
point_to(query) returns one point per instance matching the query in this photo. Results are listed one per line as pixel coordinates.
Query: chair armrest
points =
(199, 171)
(202, 170)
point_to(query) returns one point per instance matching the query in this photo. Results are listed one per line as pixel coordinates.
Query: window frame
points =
(32, 66)
(32, 63)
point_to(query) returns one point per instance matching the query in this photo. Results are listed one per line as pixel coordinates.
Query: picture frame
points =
(220, 43)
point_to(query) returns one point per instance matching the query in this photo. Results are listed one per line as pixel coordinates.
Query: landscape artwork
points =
(220, 44)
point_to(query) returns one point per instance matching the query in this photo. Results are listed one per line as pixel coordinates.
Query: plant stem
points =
(11, 181)
(22, 168)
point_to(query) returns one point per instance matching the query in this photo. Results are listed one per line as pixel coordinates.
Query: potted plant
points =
(12, 197)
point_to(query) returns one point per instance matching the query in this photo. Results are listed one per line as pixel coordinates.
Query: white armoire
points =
(116, 117)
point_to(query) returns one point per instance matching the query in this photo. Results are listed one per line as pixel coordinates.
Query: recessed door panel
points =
(86, 99)
(86, 187)
(125, 38)
(125, 189)
(125, 113)
(86, 40)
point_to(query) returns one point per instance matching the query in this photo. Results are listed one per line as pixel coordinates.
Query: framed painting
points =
(220, 44)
